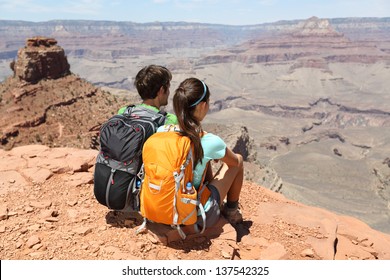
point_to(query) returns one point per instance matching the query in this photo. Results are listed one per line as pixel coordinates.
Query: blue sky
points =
(235, 12)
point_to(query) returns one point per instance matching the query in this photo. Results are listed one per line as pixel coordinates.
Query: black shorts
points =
(213, 213)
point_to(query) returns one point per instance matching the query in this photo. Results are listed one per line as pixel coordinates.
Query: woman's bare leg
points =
(228, 182)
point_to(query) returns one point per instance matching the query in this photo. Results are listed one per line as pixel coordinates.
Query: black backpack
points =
(118, 174)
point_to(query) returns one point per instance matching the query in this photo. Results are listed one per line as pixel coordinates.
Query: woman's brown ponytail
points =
(189, 93)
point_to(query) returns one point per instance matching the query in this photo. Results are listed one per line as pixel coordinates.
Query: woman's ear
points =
(201, 110)
(198, 111)
(206, 106)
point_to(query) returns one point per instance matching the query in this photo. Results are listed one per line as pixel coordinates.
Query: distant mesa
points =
(41, 58)
(312, 43)
(316, 27)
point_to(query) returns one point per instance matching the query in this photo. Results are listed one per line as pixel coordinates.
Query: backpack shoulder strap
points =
(129, 109)
(170, 127)
(162, 117)
(157, 117)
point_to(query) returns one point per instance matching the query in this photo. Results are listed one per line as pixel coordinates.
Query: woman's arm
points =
(231, 158)
(209, 173)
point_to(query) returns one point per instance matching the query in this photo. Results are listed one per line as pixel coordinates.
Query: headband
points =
(203, 95)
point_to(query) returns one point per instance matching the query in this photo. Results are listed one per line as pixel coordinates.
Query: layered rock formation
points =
(311, 43)
(106, 40)
(316, 27)
(66, 110)
(41, 59)
(45, 103)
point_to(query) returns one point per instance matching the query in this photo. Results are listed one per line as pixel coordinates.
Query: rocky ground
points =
(48, 211)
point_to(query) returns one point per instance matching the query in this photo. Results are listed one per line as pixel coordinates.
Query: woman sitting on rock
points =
(191, 104)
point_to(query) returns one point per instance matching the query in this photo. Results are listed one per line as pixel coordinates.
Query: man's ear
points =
(160, 96)
(161, 90)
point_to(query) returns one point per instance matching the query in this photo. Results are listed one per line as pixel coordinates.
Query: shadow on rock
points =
(123, 219)
(169, 236)
(242, 229)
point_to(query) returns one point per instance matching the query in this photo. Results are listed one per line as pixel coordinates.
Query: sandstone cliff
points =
(45, 103)
(41, 59)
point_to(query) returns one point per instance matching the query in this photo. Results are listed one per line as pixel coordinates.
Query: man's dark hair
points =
(150, 79)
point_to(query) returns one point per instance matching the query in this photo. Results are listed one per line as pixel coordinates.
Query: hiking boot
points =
(233, 215)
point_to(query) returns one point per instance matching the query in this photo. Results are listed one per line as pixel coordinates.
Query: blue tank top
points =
(213, 148)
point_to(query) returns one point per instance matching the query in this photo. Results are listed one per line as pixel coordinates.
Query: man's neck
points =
(152, 102)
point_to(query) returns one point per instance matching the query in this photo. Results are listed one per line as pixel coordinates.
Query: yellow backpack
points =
(168, 168)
